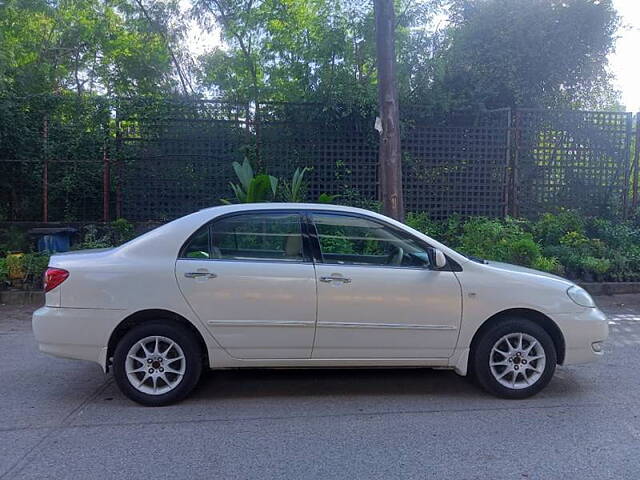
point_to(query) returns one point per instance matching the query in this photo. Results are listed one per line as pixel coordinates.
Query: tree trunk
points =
(389, 157)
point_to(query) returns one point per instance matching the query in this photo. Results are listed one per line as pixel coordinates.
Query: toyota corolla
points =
(302, 285)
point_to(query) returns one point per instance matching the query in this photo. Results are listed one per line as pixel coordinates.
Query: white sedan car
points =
(302, 285)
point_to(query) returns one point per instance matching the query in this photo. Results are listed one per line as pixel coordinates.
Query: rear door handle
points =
(335, 279)
(200, 275)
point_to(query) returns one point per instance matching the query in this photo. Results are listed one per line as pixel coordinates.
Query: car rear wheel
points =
(157, 363)
(515, 358)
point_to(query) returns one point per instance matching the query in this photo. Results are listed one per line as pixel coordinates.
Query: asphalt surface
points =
(65, 419)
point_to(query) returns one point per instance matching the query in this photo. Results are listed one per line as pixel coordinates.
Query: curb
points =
(611, 288)
(22, 297)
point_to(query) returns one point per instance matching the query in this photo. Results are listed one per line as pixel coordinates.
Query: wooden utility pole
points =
(389, 157)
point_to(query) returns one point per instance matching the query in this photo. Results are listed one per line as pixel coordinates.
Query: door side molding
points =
(403, 326)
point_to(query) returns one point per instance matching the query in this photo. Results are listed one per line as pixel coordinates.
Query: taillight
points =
(54, 277)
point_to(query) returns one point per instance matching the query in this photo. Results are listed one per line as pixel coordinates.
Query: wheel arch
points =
(142, 316)
(538, 317)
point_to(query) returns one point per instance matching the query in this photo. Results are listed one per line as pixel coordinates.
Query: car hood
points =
(517, 268)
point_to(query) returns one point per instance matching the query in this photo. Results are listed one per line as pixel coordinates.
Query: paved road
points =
(65, 419)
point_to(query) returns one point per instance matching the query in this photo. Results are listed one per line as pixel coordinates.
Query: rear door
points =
(250, 279)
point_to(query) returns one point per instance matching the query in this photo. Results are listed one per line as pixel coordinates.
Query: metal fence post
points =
(256, 125)
(106, 183)
(45, 170)
(628, 166)
(118, 166)
(507, 171)
(513, 171)
(636, 164)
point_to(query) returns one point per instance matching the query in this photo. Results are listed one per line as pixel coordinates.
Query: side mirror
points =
(438, 258)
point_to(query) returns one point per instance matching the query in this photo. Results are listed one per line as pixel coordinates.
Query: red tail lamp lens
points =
(54, 277)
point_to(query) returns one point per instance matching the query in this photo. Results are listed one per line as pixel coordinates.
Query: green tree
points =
(302, 50)
(88, 46)
(531, 53)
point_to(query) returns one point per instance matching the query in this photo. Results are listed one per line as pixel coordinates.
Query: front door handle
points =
(334, 278)
(200, 275)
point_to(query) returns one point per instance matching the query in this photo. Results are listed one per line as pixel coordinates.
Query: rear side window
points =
(198, 245)
(258, 236)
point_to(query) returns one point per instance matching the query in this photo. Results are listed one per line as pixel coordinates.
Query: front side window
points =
(258, 236)
(352, 240)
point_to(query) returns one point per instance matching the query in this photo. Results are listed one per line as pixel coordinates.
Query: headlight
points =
(581, 297)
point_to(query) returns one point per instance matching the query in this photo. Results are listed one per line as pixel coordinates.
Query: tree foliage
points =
(293, 50)
(531, 53)
(548, 53)
(109, 47)
(451, 53)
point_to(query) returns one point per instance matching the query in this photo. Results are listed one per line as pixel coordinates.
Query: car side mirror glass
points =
(438, 258)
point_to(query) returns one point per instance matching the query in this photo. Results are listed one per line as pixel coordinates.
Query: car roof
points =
(284, 206)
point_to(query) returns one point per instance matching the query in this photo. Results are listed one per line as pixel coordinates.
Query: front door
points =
(249, 279)
(378, 296)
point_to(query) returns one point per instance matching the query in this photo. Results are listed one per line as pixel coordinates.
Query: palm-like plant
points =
(296, 190)
(263, 188)
(252, 188)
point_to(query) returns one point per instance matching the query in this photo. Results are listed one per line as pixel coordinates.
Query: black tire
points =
(482, 353)
(193, 360)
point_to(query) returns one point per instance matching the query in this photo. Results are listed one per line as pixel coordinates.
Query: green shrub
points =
(15, 266)
(575, 240)
(121, 231)
(92, 239)
(523, 251)
(550, 228)
(591, 249)
(25, 270)
(12, 240)
(504, 241)
(614, 234)
(594, 268)
(4, 273)
(482, 238)
(548, 264)
(565, 244)
(35, 265)
(594, 249)
(452, 229)
(422, 223)
(625, 265)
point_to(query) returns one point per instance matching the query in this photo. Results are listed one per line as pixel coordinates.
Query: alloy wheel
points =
(517, 360)
(155, 365)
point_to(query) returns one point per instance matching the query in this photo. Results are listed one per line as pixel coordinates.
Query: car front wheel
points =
(515, 358)
(157, 363)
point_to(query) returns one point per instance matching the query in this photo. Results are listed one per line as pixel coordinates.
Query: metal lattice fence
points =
(338, 146)
(156, 159)
(578, 160)
(456, 170)
(173, 159)
(52, 158)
